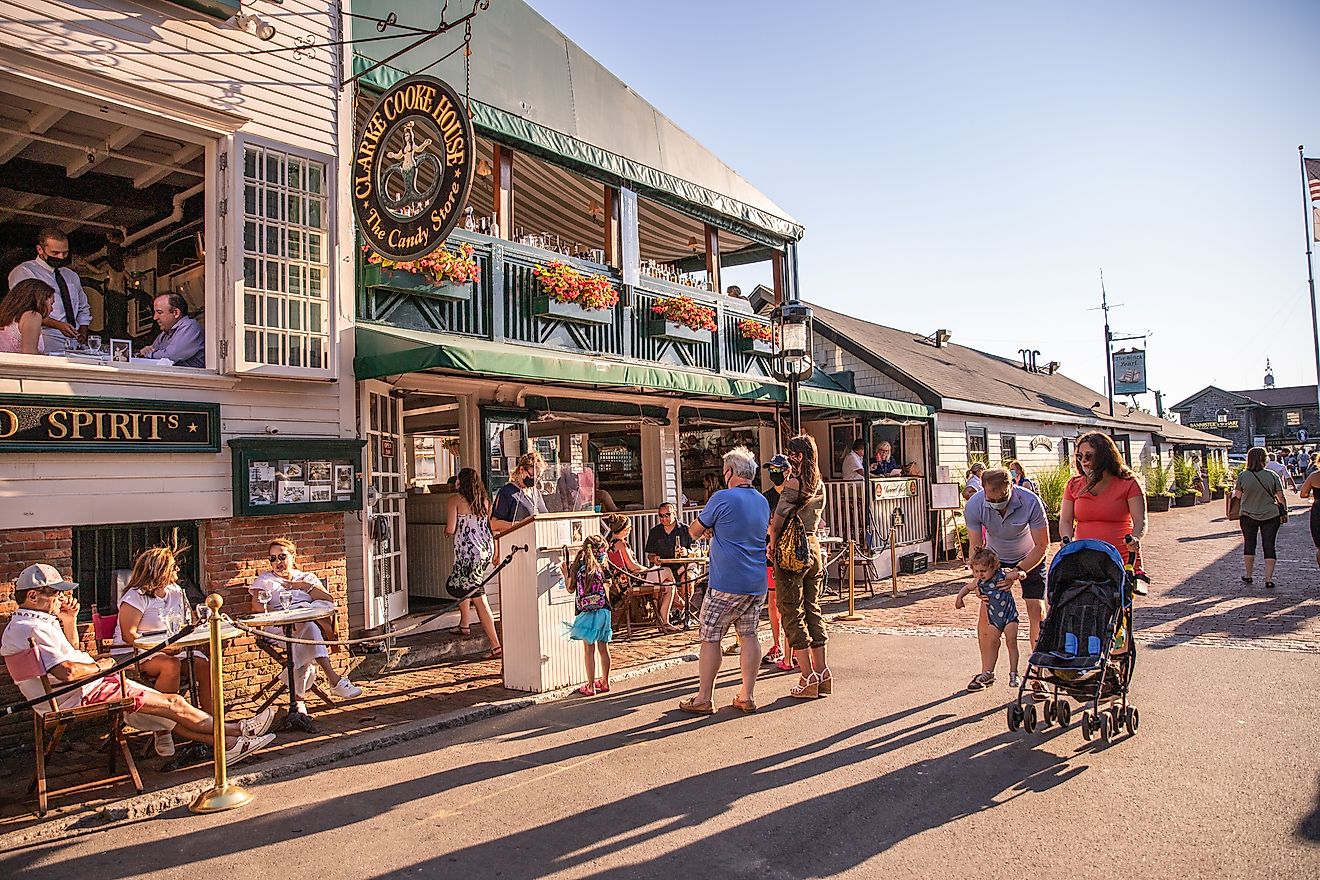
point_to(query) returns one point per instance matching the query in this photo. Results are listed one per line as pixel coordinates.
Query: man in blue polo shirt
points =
(736, 520)
(1014, 520)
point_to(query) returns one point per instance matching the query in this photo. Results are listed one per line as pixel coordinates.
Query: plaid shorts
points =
(721, 609)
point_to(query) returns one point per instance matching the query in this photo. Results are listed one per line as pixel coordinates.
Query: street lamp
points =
(1221, 418)
(791, 323)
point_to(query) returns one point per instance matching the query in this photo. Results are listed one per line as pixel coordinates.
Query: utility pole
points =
(1109, 342)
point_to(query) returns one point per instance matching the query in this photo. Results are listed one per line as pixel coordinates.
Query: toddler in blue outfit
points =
(999, 615)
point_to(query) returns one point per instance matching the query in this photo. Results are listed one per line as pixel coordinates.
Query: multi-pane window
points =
(1294, 418)
(978, 448)
(1007, 447)
(286, 262)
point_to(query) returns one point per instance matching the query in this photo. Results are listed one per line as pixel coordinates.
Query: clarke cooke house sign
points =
(413, 168)
(35, 423)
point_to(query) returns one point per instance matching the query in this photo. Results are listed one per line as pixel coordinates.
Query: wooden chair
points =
(636, 593)
(27, 665)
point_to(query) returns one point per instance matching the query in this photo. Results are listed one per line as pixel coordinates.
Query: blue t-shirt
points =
(739, 519)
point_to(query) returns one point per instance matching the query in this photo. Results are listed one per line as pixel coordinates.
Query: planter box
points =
(756, 347)
(1185, 501)
(411, 282)
(1157, 503)
(554, 310)
(1216, 494)
(1054, 531)
(677, 332)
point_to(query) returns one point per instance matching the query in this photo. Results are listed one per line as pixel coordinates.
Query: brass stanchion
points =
(223, 796)
(893, 562)
(852, 586)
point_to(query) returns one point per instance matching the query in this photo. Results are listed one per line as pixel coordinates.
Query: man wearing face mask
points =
(71, 316)
(1014, 519)
(519, 498)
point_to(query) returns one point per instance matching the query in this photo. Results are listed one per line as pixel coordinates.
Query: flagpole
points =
(1310, 269)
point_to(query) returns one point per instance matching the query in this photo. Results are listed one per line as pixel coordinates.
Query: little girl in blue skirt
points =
(585, 577)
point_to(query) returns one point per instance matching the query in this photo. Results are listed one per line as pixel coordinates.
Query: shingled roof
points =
(955, 372)
(1292, 395)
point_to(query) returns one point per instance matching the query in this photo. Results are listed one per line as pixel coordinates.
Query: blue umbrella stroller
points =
(1085, 650)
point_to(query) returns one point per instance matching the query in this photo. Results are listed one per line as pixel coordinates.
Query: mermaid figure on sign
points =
(409, 157)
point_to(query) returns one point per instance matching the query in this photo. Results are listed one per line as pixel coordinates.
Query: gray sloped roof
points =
(956, 372)
(1291, 395)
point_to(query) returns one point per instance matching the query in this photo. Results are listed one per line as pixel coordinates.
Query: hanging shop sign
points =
(1130, 372)
(891, 490)
(37, 423)
(413, 168)
(296, 475)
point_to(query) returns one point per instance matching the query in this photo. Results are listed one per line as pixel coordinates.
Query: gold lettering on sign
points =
(8, 423)
(81, 419)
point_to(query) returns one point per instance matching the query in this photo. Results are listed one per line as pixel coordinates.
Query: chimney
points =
(942, 337)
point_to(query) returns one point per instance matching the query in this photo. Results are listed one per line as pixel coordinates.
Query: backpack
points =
(590, 594)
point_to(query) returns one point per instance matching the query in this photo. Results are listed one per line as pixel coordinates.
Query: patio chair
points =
(636, 593)
(27, 665)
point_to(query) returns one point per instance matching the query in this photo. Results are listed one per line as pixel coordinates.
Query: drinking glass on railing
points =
(263, 599)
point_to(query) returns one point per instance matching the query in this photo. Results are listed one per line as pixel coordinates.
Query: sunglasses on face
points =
(279, 557)
(1085, 456)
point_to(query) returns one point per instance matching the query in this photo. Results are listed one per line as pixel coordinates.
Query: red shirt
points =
(1106, 516)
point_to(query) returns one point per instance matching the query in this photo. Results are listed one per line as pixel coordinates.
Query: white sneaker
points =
(164, 743)
(258, 724)
(346, 689)
(245, 746)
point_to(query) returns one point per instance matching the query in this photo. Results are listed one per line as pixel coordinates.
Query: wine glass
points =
(286, 600)
(203, 612)
(171, 624)
(263, 597)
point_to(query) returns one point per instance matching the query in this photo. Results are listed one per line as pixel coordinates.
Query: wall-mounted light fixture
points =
(253, 24)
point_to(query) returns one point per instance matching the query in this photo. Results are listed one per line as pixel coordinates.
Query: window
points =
(286, 271)
(101, 551)
(978, 448)
(1294, 418)
(1007, 447)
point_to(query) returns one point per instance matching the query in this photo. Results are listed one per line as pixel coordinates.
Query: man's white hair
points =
(740, 460)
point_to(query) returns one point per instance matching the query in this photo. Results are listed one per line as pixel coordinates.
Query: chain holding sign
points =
(413, 168)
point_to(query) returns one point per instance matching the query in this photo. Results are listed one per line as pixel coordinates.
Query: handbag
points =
(792, 554)
(1235, 508)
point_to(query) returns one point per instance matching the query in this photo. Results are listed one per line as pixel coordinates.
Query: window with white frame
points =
(286, 260)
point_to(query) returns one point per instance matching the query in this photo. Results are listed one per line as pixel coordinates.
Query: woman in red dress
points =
(1104, 502)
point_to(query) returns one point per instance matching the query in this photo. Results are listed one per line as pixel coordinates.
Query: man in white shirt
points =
(47, 620)
(71, 316)
(854, 463)
(1285, 478)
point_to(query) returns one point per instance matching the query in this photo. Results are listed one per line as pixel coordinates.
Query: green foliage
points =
(1157, 478)
(1050, 483)
(1217, 473)
(1185, 474)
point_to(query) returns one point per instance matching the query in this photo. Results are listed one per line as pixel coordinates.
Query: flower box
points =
(544, 306)
(675, 332)
(414, 282)
(756, 347)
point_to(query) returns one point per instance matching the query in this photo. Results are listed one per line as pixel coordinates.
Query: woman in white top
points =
(154, 603)
(22, 311)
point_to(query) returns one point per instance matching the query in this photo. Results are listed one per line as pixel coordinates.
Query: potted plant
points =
(1185, 476)
(755, 338)
(1217, 474)
(443, 274)
(1050, 483)
(1157, 486)
(682, 319)
(569, 295)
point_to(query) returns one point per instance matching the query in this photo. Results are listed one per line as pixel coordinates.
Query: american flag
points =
(1313, 182)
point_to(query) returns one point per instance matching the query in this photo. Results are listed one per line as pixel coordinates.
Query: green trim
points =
(221, 9)
(698, 201)
(542, 403)
(391, 351)
(335, 450)
(41, 405)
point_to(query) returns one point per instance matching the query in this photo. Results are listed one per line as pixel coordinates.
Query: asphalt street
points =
(900, 773)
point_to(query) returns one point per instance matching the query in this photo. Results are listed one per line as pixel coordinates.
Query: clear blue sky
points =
(974, 165)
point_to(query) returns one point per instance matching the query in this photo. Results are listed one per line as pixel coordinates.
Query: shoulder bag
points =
(791, 552)
(1282, 508)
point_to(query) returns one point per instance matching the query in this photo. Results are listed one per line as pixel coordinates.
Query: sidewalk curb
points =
(153, 803)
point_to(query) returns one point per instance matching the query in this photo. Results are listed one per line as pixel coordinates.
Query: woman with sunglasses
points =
(1104, 501)
(304, 588)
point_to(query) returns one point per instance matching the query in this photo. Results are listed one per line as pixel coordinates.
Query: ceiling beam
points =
(23, 202)
(38, 123)
(181, 157)
(123, 136)
(95, 188)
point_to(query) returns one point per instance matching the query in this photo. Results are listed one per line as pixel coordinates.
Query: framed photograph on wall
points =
(121, 351)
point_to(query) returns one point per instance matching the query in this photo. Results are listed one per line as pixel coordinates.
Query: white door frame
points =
(386, 563)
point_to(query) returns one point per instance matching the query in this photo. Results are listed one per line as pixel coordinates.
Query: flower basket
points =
(443, 274)
(755, 338)
(676, 332)
(554, 310)
(1157, 503)
(682, 319)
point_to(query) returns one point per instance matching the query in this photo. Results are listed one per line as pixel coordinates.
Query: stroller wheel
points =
(1116, 716)
(1063, 712)
(1087, 731)
(1106, 730)
(1050, 711)
(1029, 717)
(1014, 716)
(1133, 720)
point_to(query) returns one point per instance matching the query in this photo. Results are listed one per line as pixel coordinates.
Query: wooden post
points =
(851, 549)
(612, 226)
(893, 562)
(502, 183)
(777, 268)
(713, 258)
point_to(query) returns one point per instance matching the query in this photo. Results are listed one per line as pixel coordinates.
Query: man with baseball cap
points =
(47, 620)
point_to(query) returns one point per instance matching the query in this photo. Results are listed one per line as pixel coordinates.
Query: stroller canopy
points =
(1085, 564)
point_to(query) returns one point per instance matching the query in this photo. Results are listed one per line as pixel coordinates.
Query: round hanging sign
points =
(413, 168)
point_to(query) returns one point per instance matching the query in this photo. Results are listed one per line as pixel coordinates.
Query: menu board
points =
(308, 475)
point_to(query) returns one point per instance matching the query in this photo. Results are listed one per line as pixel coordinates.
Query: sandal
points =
(981, 681)
(601, 685)
(1269, 585)
(692, 706)
(494, 653)
(807, 688)
(460, 631)
(1246, 580)
(587, 690)
(786, 664)
(747, 707)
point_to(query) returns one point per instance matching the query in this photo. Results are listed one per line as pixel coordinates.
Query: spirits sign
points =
(39, 423)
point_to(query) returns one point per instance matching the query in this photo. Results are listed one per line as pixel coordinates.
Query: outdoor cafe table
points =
(687, 581)
(287, 620)
(198, 638)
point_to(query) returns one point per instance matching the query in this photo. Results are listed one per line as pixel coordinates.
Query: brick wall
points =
(233, 552)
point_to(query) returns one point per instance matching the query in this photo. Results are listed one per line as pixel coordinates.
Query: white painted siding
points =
(185, 56)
